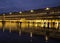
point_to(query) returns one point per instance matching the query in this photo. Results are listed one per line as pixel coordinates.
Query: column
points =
(28, 24)
(48, 25)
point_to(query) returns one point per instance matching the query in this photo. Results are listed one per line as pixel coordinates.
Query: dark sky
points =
(22, 5)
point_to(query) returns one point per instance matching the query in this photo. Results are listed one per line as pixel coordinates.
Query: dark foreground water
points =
(13, 37)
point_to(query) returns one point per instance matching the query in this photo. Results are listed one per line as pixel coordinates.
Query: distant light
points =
(32, 11)
(47, 9)
(10, 13)
(20, 12)
(3, 14)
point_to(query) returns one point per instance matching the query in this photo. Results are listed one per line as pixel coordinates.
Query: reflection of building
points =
(49, 17)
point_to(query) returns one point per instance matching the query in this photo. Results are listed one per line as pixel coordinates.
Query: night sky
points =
(22, 5)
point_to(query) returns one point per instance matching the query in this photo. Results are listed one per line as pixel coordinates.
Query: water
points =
(13, 37)
(13, 32)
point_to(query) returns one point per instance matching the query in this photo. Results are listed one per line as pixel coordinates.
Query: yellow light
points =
(37, 20)
(22, 19)
(32, 11)
(56, 25)
(47, 8)
(20, 12)
(30, 25)
(35, 25)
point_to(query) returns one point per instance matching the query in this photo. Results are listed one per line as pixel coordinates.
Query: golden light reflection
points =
(46, 25)
(42, 24)
(10, 25)
(0, 25)
(38, 21)
(56, 25)
(32, 23)
(50, 24)
(36, 25)
(23, 25)
(22, 20)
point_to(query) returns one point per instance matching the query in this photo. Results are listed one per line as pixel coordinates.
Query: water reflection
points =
(19, 32)
(30, 25)
(31, 36)
(46, 38)
(40, 27)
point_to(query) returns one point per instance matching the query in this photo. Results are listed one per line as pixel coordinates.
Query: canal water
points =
(17, 32)
(14, 37)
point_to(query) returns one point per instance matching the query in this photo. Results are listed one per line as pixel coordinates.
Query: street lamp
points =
(10, 13)
(31, 10)
(20, 12)
(47, 8)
